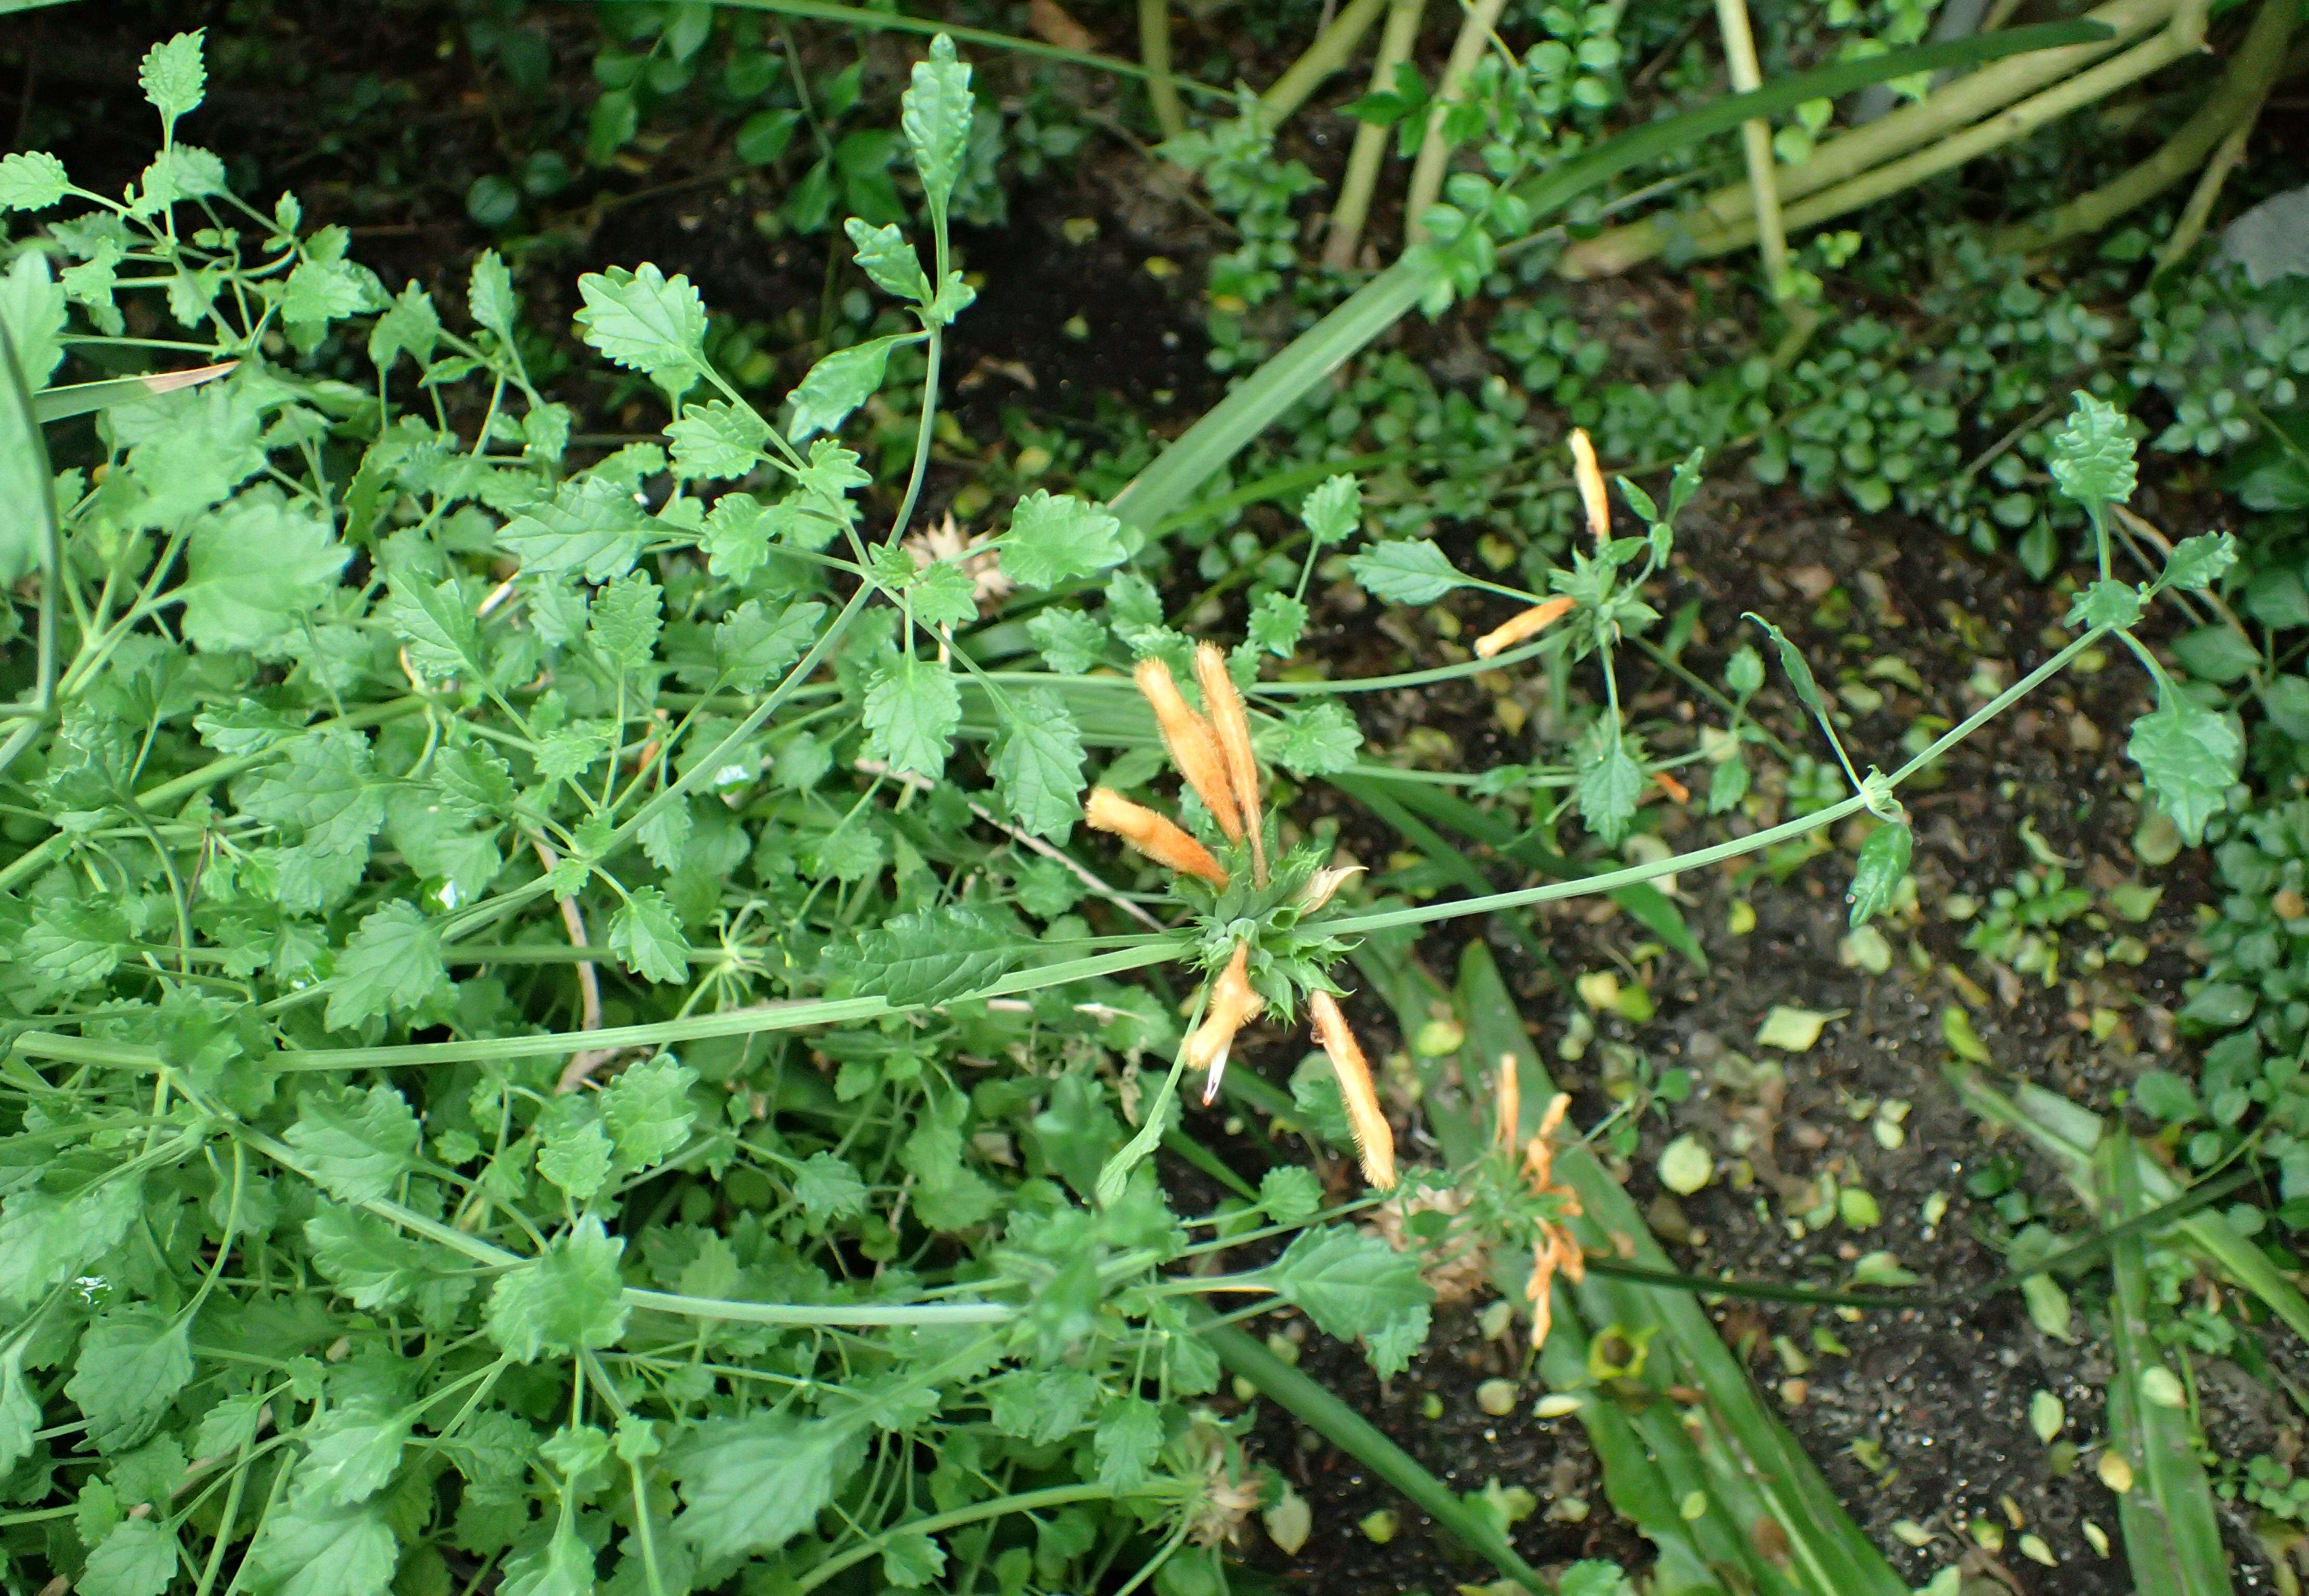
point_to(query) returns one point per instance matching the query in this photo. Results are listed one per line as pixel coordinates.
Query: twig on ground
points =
(583, 1062)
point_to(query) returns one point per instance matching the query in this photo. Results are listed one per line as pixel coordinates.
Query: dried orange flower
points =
(1150, 834)
(1590, 478)
(1556, 1248)
(1234, 1003)
(1672, 787)
(1530, 624)
(1374, 1138)
(1194, 747)
(1231, 723)
(1507, 1097)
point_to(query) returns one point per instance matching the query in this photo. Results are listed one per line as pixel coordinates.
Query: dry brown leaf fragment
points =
(981, 565)
(1049, 22)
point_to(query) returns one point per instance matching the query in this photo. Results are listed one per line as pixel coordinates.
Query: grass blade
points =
(2172, 1539)
(2071, 1133)
(78, 398)
(1162, 489)
(1309, 1401)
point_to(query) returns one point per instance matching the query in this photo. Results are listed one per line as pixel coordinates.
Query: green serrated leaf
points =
(716, 439)
(628, 615)
(1318, 740)
(310, 1549)
(648, 1112)
(1349, 1283)
(132, 1363)
(256, 568)
(1333, 513)
(913, 710)
(646, 935)
(391, 965)
(1798, 671)
(174, 75)
(1053, 539)
(354, 1143)
(1882, 865)
(750, 1485)
(839, 383)
(2106, 603)
(934, 113)
(44, 1237)
(2191, 756)
(1071, 642)
(31, 180)
(887, 258)
(751, 644)
(1609, 783)
(138, 1557)
(2092, 454)
(645, 322)
(1037, 764)
(932, 955)
(2201, 561)
(1407, 572)
(570, 1296)
(1277, 622)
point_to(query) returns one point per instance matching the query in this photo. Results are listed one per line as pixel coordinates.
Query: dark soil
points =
(1924, 1417)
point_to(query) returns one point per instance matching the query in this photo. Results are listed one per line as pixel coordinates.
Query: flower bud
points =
(1590, 478)
(1194, 747)
(1149, 834)
(1374, 1137)
(1530, 624)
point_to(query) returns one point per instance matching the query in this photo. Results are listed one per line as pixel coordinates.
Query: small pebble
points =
(1496, 1397)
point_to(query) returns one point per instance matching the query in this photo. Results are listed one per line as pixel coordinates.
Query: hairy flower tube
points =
(1374, 1137)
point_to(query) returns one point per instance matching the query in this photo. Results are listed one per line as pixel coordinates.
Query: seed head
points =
(1194, 747)
(1530, 624)
(1374, 1137)
(1149, 834)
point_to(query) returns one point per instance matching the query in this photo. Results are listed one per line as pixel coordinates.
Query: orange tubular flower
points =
(1234, 1003)
(1531, 622)
(1231, 723)
(1672, 787)
(1374, 1138)
(1556, 1249)
(1150, 834)
(1194, 747)
(1590, 478)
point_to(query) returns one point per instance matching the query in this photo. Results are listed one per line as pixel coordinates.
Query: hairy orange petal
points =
(1374, 1137)
(1672, 787)
(1194, 747)
(1150, 834)
(1231, 723)
(1568, 1256)
(1590, 478)
(1234, 1003)
(1516, 628)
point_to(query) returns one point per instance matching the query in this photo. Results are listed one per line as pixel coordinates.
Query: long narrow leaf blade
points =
(2172, 1539)
(78, 398)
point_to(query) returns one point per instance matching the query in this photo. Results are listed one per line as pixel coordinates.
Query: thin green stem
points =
(1055, 1496)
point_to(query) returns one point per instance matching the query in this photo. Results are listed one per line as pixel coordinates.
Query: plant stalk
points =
(1434, 152)
(2235, 99)
(1155, 57)
(1363, 161)
(1333, 48)
(1756, 145)
(1983, 94)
